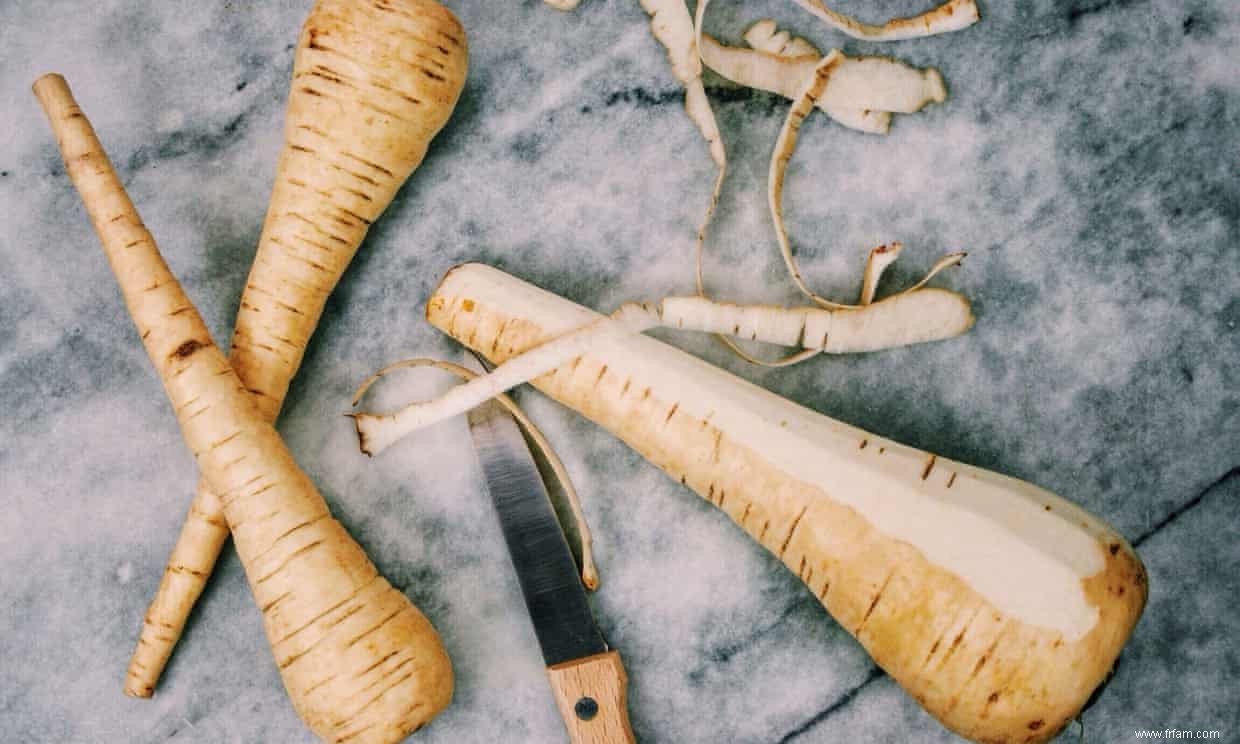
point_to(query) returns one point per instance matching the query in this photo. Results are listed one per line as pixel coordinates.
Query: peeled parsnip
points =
(360, 663)
(997, 605)
(373, 82)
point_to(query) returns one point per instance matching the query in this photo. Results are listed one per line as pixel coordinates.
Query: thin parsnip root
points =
(953, 15)
(359, 661)
(589, 572)
(997, 605)
(373, 81)
(908, 318)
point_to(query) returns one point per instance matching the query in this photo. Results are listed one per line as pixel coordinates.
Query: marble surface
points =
(1086, 158)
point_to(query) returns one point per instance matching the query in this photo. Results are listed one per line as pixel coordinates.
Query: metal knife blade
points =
(540, 555)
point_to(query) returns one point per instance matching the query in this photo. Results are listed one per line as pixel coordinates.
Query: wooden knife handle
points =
(591, 695)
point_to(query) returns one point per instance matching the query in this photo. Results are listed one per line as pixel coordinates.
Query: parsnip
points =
(373, 81)
(997, 605)
(589, 572)
(360, 663)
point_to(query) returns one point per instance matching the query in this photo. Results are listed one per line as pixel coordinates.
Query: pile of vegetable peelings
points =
(899, 545)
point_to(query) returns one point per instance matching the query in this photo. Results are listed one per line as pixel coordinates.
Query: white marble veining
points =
(1086, 157)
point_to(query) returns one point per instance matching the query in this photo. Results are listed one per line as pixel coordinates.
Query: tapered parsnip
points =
(373, 81)
(996, 604)
(952, 15)
(359, 661)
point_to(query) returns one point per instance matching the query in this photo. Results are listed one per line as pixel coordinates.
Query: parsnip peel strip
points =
(785, 145)
(679, 33)
(873, 84)
(953, 15)
(907, 318)
(589, 571)
(875, 264)
(672, 26)
(869, 89)
(785, 76)
(951, 259)
(815, 88)
(764, 36)
(563, 4)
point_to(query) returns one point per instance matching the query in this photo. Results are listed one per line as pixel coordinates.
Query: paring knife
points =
(588, 680)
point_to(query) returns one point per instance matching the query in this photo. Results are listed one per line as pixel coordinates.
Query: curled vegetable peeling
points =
(589, 572)
(950, 16)
(915, 316)
(764, 36)
(785, 145)
(998, 606)
(863, 93)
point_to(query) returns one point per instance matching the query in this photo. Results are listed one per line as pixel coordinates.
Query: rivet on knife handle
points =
(591, 694)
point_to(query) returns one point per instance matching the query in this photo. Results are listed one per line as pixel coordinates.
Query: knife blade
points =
(587, 679)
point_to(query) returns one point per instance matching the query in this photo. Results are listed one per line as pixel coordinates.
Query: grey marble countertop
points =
(1086, 158)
